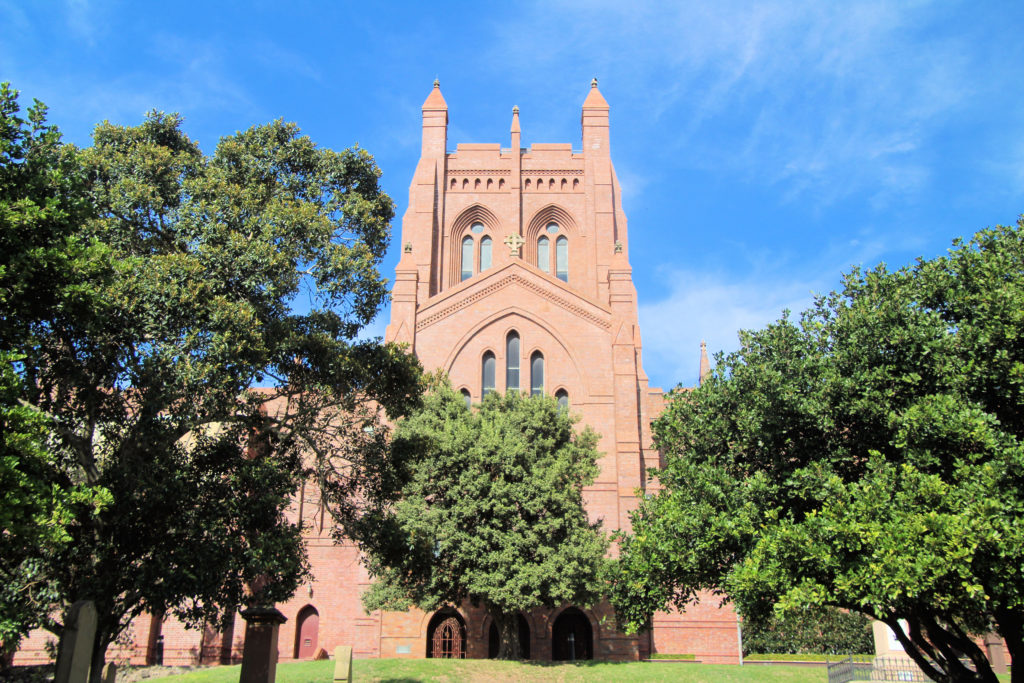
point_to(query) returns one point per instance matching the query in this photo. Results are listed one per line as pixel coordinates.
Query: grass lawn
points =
(451, 671)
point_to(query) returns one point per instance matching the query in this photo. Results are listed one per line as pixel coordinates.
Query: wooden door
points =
(307, 632)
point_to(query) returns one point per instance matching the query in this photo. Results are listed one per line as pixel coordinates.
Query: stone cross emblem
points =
(514, 243)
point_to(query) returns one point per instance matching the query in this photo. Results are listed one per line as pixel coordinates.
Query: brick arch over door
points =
(579, 267)
(504, 320)
(460, 228)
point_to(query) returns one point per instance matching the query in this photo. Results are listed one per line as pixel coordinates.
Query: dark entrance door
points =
(307, 631)
(572, 638)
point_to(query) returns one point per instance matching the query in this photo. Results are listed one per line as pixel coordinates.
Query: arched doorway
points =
(307, 632)
(446, 636)
(571, 637)
(494, 640)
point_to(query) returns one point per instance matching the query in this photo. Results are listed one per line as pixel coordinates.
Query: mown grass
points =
(453, 671)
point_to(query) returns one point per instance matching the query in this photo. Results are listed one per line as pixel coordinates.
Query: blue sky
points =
(763, 148)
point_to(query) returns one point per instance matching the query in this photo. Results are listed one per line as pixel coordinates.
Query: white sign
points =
(894, 644)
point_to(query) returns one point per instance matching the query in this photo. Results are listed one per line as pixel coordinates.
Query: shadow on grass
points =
(579, 664)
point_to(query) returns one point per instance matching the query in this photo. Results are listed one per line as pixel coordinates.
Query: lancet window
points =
(512, 361)
(487, 372)
(536, 373)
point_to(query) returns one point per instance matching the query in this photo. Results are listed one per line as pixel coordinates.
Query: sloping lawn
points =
(453, 671)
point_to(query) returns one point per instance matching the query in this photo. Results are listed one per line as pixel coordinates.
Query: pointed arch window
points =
(536, 373)
(544, 254)
(562, 258)
(467, 258)
(487, 373)
(467, 398)
(512, 361)
(485, 253)
(562, 396)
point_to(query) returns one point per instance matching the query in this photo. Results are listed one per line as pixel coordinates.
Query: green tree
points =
(43, 263)
(867, 457)
(254, 266)
(34, 516)
(489, 509)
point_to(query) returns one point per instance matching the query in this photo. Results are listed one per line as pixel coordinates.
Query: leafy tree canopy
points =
(488, 508)
(867, 457)
(176, 285)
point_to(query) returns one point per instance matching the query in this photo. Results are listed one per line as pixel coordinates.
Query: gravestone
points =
(343, 664)
(996, 653)
(75, 654)
(259, 654)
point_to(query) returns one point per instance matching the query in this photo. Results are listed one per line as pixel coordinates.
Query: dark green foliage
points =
(866, 457)
(170, 294)
(44, 269)
(817, 630)
(488, 508)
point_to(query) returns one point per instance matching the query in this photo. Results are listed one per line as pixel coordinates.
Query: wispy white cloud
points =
(713, 308)
(80, 19)
(822, 99)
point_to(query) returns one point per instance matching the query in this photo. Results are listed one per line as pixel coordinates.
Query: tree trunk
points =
(1011, 628)
(508, 634)
(937, 649)
(99, 656)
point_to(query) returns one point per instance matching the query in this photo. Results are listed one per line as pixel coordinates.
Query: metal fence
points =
(879, 669)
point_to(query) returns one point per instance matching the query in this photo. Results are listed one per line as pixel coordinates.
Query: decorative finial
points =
(515, 109)
(593, 83)
(437, 83)
(705, 365)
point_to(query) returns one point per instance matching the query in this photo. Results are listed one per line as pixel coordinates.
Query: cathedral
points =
(514, 276)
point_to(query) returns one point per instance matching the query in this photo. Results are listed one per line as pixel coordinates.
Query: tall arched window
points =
(467, 258)
(467, 398)
(536, 374)
(544, 254)
(485, 253)
(512, 362)
(562, 396)
(562, 259)
(487, 374)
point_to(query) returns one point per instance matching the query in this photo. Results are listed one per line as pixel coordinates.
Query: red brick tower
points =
(515, 275)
